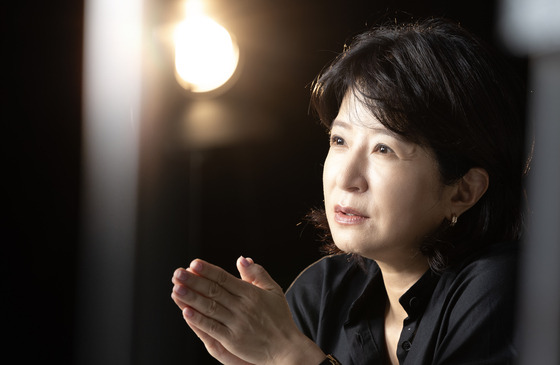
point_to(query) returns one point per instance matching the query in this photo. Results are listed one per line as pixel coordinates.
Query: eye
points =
(337, 141)
(383, 149)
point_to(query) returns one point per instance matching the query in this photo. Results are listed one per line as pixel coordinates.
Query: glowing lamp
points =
(206, 55)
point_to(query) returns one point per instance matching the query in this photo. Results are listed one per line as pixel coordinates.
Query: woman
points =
(422, 187)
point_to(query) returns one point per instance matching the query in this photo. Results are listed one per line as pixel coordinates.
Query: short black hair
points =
(435, 84)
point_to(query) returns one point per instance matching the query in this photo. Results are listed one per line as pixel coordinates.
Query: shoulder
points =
(481, 292)
(325, 291)
(492, 269)
(472, 310)
(331, 272)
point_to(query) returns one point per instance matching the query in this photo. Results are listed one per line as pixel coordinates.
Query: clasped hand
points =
(241, 321)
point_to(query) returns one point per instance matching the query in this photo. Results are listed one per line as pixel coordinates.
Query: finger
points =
(243, 264)
(256, 275)
(219, 276)
(184, 297)
(211, 302)
(177, 301)
(174, 296)
(210, 327)
(202, 285)
(215, 348)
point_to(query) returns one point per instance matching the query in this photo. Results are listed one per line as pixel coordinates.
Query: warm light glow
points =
(206, 55)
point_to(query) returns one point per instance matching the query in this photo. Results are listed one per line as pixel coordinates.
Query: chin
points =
(349, 248)
(370, 250)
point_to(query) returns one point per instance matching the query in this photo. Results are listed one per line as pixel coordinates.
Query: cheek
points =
(329, 174)
(408, 192)
(420, 205)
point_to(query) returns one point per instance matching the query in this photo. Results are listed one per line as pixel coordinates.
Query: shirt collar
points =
(414, 300)
(366, 304)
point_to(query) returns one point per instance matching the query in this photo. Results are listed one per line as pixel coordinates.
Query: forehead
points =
(354, 111)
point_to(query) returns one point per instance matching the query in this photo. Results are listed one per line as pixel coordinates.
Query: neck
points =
(397, 280)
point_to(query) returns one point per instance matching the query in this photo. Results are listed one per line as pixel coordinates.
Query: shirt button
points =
(406, 345)
(413, 302)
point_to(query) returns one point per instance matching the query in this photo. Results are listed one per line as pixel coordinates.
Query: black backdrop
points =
(249, 196)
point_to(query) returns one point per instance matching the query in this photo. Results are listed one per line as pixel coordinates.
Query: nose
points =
(351, 176)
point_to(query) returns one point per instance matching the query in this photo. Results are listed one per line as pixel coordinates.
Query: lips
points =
(348, 216)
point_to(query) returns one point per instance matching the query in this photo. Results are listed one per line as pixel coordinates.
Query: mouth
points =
(348, 216)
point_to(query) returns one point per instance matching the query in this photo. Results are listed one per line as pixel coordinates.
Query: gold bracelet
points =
(332, 360)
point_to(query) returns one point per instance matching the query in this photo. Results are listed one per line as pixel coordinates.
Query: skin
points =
(392, 187)
(382, 196)
(241, 321)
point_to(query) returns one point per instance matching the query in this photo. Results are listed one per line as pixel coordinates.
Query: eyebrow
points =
(345, 125)
(340, 123)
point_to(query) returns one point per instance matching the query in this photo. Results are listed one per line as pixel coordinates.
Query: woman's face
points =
(382, 193)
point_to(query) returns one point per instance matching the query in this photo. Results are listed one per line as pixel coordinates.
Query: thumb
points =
(256, 275)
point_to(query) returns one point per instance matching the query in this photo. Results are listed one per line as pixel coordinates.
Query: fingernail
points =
(187, 312)
(246, 262)
(196, 265)
(179, 289)
(180, 274)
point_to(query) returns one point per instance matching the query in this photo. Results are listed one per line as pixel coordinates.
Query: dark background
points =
(216, 201)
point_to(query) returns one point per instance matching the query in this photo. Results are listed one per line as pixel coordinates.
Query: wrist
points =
(301, 351)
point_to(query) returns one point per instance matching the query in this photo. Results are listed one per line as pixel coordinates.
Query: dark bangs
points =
(416, 81)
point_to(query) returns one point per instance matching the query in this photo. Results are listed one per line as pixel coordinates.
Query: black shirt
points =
(463, 316)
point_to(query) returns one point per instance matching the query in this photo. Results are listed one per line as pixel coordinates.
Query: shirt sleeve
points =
(303, 297)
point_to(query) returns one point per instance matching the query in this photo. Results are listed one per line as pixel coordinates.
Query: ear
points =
(468, 190)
